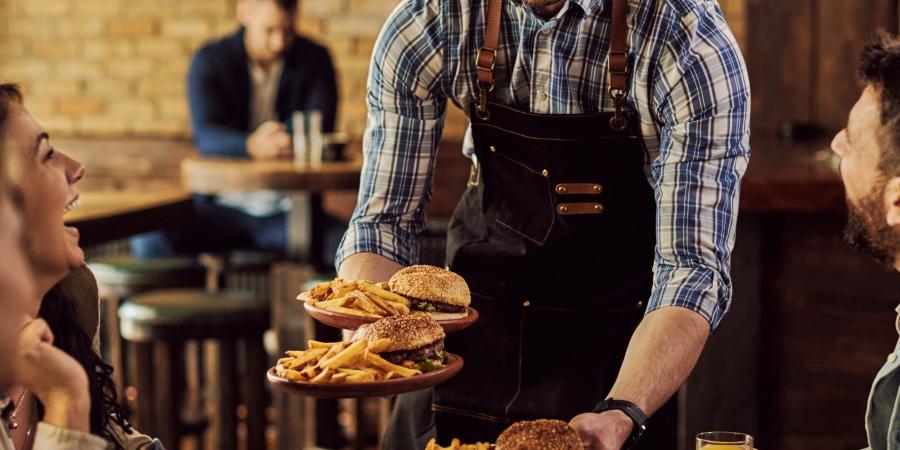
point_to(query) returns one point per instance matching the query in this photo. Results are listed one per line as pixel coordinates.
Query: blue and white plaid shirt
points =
(688, 83)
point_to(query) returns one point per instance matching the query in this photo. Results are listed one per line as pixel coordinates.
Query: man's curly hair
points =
(880, 67)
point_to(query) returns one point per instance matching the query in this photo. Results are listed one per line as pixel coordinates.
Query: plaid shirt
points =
(688, 83)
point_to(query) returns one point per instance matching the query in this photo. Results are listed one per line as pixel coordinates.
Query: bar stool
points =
(119, 277)
(157, 326)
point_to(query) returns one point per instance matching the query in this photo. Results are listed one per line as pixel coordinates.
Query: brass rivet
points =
(598, 189)
(526, 303)
(563, 208)
(545, 173)
(493, 149)
(561, 189)
(598, 207)
(640, 304)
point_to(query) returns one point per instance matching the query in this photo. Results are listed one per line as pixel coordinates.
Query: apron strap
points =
(618, 60)
(487, 57)
(618, 63)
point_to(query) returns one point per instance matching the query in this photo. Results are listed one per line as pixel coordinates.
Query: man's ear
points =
(244, 8)
(892, 201)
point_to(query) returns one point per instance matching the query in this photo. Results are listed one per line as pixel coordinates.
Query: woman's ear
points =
(892, 202)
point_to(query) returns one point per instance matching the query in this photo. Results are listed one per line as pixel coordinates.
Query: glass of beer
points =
(724, 440)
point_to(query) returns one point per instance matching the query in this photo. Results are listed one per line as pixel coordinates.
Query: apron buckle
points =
(481, 109)
(618, 122)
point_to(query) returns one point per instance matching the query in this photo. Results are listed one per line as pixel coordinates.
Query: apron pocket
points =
(518, 198)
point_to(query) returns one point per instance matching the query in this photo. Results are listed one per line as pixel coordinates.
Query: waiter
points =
(608, 141)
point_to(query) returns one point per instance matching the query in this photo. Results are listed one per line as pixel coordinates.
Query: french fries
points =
(455, 444)
(356, 298)
(341, 362)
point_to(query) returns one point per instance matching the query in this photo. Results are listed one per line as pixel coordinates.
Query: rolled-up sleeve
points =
(50, 437)
(406, 107)
(702, 98)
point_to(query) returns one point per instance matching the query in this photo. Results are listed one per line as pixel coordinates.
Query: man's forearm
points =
(368, 266)
(662, 353)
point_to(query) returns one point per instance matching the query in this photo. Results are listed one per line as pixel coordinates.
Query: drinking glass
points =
(724, 440)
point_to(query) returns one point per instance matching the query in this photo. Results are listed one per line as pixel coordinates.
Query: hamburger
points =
(441, 293)
(542, 434)
(417, 341)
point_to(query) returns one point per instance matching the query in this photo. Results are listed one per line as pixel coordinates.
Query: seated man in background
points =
(869, 148)
(242, 91)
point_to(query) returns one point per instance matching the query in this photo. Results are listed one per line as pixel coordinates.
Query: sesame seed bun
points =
(542, 434)
(407, 332)
(432, 284)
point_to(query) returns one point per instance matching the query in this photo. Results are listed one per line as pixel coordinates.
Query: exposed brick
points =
(382, 8)
(133, 26)
(129, 68)
(28, 28)
(53, 87)
(173, 109)
(160, 47)
(101, 8)
(355, 25)
(186, 28)
(25, 69)
(54, 124)
(108, 48)
(101, 126)
(11, 49)
(79, 69)
(85, 28)
(133, 109)
(188, 8)
(161, 88)
(46, 8)
(111, 88)
(55, 50)
(77, 105)
(319, 9)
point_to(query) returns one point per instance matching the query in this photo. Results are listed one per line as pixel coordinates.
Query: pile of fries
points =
(456, 445)
(357, 298)
(341, 362)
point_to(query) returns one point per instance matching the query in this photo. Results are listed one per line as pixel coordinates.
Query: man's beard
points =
(868, 232)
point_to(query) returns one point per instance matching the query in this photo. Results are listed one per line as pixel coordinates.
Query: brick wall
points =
(116, 68)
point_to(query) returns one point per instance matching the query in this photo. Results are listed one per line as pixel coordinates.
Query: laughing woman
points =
(47, 185)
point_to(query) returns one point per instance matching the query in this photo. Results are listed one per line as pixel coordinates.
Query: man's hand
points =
(270, 141)
(605, 431)
(56, 378)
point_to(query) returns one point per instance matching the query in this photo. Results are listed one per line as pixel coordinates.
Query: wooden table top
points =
(220, 175)
(108, 215)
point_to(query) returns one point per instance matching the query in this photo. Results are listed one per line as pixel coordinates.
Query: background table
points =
(106, 216)
(304, 186)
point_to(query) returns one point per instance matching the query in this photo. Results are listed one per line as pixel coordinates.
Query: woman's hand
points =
(54, 377)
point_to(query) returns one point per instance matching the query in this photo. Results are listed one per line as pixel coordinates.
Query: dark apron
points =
(555, 236)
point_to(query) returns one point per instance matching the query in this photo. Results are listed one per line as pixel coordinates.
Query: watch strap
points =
(631, 410)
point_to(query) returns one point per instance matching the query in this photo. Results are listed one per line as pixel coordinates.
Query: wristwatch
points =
(631, 410)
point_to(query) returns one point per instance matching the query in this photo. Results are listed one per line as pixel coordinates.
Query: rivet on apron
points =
(561, 189)
(526, 303)
(640, 304)
(493, 149)
(598, 189)
(545, 173)
(598, 207)
(563, 209)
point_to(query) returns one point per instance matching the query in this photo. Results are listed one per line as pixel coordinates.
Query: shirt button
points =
(892, 358)
(546, 31)
(542, 95)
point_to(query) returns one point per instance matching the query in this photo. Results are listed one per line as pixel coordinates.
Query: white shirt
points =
(263, 94)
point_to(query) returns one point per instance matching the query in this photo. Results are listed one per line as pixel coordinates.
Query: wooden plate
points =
(370, 389)
(350, 322)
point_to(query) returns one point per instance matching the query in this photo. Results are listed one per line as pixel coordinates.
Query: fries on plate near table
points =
(356, 298)
(455, 444)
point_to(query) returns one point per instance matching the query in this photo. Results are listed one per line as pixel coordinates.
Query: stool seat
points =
(124, 273)
(191, 314)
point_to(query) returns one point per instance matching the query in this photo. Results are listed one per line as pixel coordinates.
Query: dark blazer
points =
(219, 91)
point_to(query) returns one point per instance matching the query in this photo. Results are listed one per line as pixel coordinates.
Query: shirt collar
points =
(592, 7)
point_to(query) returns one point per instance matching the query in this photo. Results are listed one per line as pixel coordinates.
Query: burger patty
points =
(428, 306)
(414, 355)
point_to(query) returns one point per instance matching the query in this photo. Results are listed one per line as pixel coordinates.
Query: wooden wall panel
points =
(843, 28)
(828, 324)
(778, 56)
